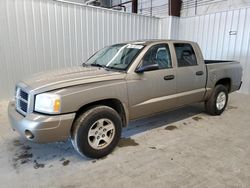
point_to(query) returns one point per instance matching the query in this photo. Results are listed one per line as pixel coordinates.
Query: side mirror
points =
(150, 67)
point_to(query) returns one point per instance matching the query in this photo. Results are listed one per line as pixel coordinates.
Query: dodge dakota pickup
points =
(91, 103)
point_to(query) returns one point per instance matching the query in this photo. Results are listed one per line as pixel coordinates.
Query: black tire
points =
(211, 106)
(82, 125)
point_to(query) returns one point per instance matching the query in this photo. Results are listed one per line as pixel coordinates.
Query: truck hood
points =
(51, 80)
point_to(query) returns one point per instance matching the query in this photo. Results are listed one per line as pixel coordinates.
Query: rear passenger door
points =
(190, 74)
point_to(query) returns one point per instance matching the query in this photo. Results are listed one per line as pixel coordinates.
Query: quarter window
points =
(185, 55)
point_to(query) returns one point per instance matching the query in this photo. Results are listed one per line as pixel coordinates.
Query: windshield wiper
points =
(98, 65)
(106, 67)
(115, 68)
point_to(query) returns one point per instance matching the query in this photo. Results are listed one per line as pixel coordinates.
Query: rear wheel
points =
(96, 132)
(217, 101)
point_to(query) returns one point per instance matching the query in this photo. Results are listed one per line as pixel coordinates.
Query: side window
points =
(158, 54)
(185, 55)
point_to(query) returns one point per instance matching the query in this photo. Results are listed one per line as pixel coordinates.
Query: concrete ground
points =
(183, 148)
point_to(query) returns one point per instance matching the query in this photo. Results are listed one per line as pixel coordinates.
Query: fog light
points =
(29, 134)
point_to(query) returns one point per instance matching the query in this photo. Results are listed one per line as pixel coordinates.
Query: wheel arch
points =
(113, 103)
(225, 82)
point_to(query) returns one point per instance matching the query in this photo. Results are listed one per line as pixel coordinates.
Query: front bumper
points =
(44, 128)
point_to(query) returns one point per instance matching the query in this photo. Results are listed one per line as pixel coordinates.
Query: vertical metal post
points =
(174, 7)
(195, 7)
(134, 6)
(151, 7)
(169, 7)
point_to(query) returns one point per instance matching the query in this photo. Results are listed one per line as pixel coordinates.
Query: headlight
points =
(48, 103)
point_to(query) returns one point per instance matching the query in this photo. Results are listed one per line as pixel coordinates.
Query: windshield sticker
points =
(139, 42)
(135, 46)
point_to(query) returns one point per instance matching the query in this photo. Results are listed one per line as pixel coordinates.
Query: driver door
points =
(151, 91)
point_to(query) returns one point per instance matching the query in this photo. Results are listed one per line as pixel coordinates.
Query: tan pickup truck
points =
(91, 103)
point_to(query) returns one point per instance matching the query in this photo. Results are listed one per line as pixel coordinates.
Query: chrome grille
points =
(24, 95)
(22, 101)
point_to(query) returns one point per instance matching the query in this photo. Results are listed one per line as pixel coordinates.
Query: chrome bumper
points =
(44, 128)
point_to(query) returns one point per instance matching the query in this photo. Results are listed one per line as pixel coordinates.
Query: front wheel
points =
(96, 132)
(217, 101)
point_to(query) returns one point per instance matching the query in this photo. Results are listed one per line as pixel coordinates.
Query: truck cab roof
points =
(153, 41)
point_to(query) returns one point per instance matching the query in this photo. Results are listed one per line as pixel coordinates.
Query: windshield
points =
(118, 56)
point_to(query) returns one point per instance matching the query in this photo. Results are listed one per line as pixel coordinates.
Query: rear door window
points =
(185, 55)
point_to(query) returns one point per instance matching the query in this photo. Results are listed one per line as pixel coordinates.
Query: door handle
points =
(169, 77)
(199, 73)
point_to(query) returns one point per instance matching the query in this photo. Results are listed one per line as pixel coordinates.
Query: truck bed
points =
(219, 69)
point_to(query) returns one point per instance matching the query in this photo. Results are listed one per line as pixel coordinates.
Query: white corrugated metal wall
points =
(165, 28)
(169, 27)
(223, 35)
(39, 35)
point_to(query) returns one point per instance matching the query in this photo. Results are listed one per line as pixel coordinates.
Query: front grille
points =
(24, 95)
(22, 101)
(23, 105)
